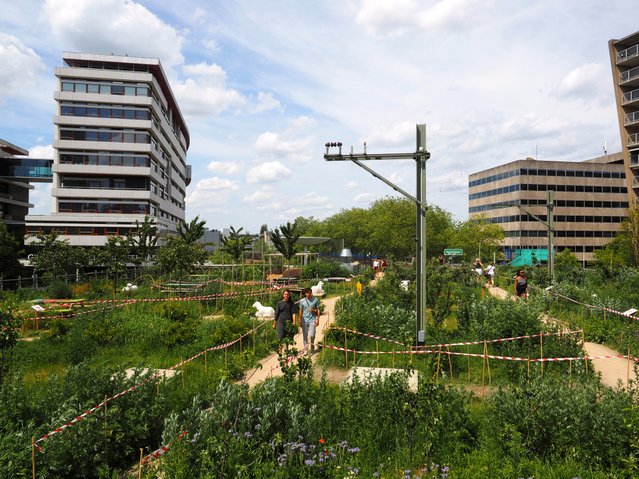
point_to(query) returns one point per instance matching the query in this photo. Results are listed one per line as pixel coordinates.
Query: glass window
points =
(116, 136)
(141, 138)
(588, 174)
(93, 88)
(561, 173)
(142, 91)
(104, 136)
(128, 137)
(67, 86)
(129, 90)
(117, 89)
(129, 114)
(92, 111)
(66, 110)
(105, 113)
(116, 113)
(105, 89)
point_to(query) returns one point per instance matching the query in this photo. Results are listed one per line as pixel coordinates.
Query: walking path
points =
(270, 366)
(612, 370)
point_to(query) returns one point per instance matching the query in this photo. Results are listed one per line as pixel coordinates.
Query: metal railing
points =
(630, 52)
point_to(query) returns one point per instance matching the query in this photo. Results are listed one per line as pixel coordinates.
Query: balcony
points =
(630, 97)
(631, 119)
(633, 140)
(630, 77)
(629, 56)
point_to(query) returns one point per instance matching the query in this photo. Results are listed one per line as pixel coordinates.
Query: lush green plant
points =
(60, 290)
(324, 269)
(8, 338)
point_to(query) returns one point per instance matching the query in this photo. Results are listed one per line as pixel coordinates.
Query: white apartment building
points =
(120, 150)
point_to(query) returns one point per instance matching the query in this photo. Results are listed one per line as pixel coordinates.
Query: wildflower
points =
(309, 462)
(376, 474)
(322, 440)
(248, 435)
(343, 444)
(353, 450)
(258, 427)
(281, 460)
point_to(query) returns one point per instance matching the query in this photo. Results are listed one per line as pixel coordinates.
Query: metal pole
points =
(551, 234)
(421, 209)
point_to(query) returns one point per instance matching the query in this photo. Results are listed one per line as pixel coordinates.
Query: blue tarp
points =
(528, 257)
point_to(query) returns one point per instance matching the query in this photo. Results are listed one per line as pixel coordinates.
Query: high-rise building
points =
(590, 201)
(624, 58)
(16, 173)
(120, 150)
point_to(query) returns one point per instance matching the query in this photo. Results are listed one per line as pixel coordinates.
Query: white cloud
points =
(41, 151)
(452, 181)
(210, 193)
(267, 172)
(265, 198)
(229, 167)
(22, 69)
(265, 102)
(363, 198)
(584, 82)
(204, 92)
(396, 18)
(395, 134)
(114, 26)
(351, 185)
(276, 145)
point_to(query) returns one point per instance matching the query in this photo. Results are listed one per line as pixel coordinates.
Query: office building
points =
(624, 58)
(16, 173)
(120, 150)
(590, 202)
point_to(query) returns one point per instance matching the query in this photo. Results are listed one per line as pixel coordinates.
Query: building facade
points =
(16, 174)
(590, 202)
(624, 58)
(120, 150)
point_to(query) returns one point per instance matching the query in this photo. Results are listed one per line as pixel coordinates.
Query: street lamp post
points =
(421, 155)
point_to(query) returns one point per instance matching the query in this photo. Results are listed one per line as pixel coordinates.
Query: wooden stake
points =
(468, 361)
(628, 371)
(490, 381)
(33, 469)
(450, 364)
(541, 352)
(439, 355)
(140, 465)
(206, 362)
(393, 355)
(346, 349)
(182, 369)
(377, 349)
(105, 415)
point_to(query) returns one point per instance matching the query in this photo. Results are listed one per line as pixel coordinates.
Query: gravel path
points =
(269, 366)
(613, 370)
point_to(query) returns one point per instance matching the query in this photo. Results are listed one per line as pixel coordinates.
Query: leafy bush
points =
(324, 269)
(60, 290)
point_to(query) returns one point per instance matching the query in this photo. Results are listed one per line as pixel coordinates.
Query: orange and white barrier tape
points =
(161, 450)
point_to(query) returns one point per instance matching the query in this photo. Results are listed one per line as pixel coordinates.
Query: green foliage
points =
(192, 231)
(284, 240)
(235, 244)
(182, 324)
(9, 253)
(59, 289)
(53, 257)
(179, 258)
(324, 269)
(8, 338)
(144, 239)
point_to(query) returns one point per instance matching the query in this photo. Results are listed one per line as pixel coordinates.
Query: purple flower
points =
(309, 462)
(353, 450)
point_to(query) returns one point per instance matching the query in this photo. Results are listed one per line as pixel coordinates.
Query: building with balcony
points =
(16, 175)
(624, 58)
(120, 150)
(590, 202)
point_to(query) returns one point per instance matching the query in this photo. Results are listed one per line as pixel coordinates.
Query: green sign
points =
(453, 252)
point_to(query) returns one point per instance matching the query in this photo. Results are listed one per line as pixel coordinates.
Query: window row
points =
(106, 88)
(113, 136)
(104, 183)
(104, 159)
(80, 230)
(541, 187)
(560, 234)
(102, 111)
(548, 172)
(558, 203)
(102, 207)
(559, 219)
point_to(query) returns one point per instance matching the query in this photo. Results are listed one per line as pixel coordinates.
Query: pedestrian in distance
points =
(478, 267)
(490, 275)
(309, 318)
(521, 285)
(285, 311)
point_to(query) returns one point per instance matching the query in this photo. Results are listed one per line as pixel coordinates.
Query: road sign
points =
(453, 252)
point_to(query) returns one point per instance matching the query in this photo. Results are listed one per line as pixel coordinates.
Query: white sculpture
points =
(263, 312)
(404, 284)
(318, 289)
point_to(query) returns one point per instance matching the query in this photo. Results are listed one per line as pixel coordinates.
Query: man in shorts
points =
(309, 308)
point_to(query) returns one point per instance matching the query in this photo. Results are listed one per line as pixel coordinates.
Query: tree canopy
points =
(284, 239)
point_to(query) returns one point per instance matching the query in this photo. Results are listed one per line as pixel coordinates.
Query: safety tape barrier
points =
(592, 306)
(153, 378)
(462, 343)
(480, 355)
(123, 302)
(161, 450)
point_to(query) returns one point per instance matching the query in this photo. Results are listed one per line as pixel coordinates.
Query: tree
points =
(630, 229)
(477, 236)
(144, 240)
(179, 257)
(193, 231)
(114, 256)
(235, 244)
(8, 338)
(284, 239)
(55, 257)
(9, 253)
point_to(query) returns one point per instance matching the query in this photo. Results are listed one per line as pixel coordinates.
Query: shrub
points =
(60, 290)
(324, 269)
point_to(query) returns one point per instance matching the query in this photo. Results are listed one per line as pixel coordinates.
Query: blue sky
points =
(263, 85)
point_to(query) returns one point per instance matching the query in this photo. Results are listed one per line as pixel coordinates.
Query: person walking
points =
(285, 316)
(521, 285)
(478, 267)
(490, 275)
(309, 317)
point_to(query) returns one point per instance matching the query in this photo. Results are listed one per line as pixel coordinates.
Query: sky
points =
(264, 85)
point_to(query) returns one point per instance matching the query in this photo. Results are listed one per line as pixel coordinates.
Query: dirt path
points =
(269, 366)
(612, 370)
